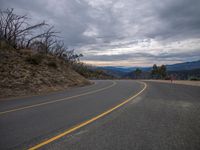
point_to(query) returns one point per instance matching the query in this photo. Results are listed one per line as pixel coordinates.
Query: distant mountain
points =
(131, 75)
(174, 67)
(114, 71)
(117, 68)
(184, 66)
(120, 71)
(185, 74)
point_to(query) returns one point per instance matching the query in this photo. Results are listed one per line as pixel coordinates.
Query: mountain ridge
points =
(120, 71)
(173, 67)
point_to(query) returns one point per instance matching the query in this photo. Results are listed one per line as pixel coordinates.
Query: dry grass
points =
(24, 73)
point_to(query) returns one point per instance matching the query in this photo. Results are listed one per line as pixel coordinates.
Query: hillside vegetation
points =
(91, 72)
(33, 59)
(24, 72)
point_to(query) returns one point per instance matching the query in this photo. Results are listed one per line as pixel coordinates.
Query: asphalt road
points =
(164, 116)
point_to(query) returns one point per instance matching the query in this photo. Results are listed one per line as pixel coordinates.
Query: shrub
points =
(52, 64)
(35, 59)
(5, 45)
(194, 79)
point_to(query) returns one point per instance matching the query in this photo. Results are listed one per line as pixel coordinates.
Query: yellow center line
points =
(58, 100)
(86, 122)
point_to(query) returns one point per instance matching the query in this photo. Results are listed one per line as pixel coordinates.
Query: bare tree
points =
(72, 57)
(17, 32)
(59, 49)
(15, 28)
(49, 40)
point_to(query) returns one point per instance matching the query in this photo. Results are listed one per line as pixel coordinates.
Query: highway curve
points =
(118, 114)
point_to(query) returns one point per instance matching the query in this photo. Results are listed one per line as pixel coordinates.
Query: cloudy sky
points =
(122, 32)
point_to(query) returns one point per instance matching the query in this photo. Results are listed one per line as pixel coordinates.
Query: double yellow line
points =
(58, 100)
(87, 122)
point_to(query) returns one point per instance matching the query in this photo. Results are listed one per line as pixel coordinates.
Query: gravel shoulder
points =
(184, 82)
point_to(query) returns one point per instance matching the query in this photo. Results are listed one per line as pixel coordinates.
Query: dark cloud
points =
(147, 28)
(179, 19)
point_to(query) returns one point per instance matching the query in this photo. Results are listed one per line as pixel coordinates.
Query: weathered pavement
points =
(163, 117)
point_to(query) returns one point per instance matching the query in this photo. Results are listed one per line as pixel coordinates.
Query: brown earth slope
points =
(23, 73)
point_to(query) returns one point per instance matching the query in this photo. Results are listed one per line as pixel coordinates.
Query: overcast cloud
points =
(122, 32)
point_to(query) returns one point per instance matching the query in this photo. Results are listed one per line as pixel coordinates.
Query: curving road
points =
(119, 114)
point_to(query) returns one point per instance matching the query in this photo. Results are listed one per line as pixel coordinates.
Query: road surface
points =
(118, 114)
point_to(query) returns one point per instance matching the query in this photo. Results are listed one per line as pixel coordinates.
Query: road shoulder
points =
(183, 82)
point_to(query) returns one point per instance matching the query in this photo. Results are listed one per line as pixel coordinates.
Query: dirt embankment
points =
(25, 73)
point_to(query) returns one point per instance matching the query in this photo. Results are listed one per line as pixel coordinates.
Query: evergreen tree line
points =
(157, 72)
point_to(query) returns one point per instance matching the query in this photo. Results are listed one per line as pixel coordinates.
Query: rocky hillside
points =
(23, 72)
